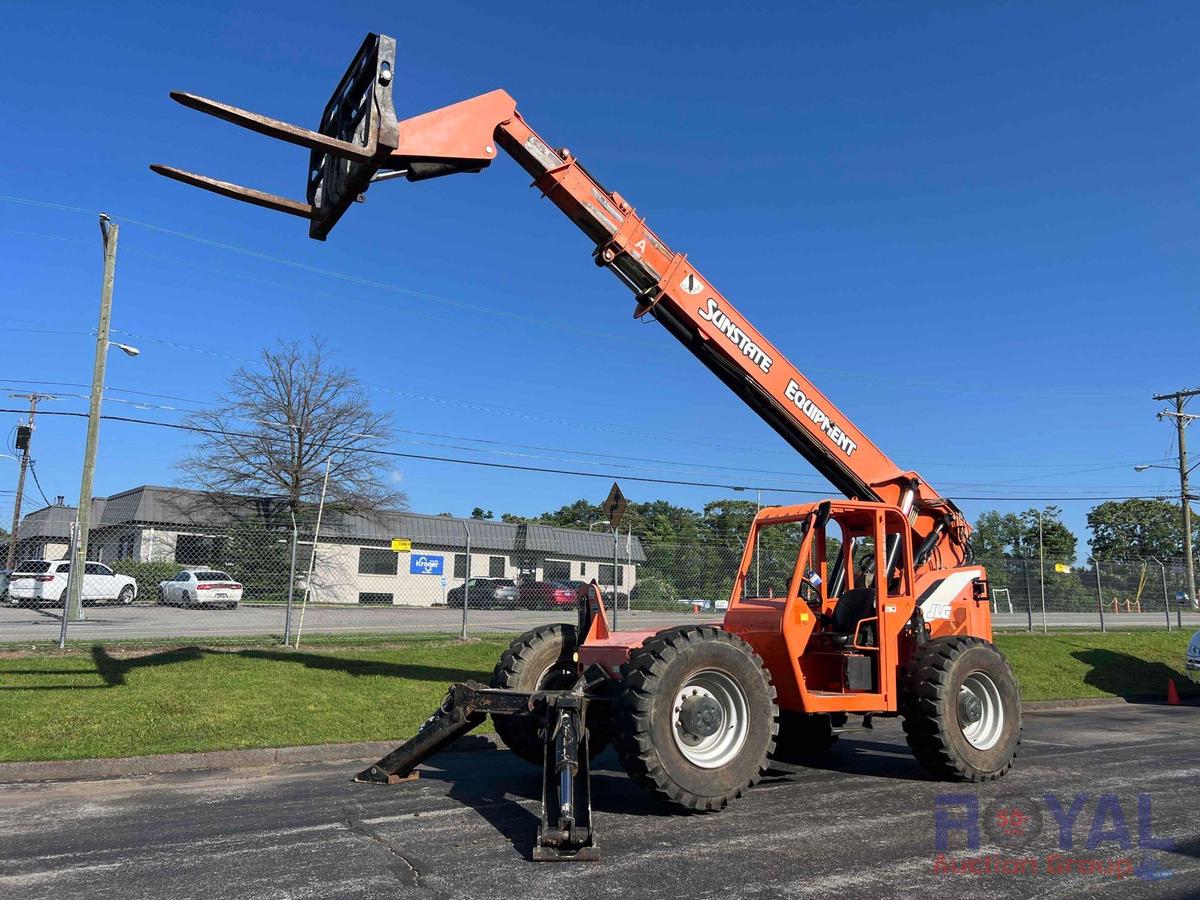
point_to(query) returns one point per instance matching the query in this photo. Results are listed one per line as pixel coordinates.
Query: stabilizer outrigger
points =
(566, 832)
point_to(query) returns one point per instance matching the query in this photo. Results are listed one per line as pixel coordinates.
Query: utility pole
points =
(24, 438)
(109, 231)
(1182, 419)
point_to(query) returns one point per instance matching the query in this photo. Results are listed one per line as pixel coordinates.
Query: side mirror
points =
(824, 511)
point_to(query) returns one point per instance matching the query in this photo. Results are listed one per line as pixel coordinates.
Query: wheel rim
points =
(126, 596)
(710, 718)
(980, 711)
(555, 677)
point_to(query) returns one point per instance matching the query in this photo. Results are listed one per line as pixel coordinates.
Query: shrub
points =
(146, 574)
(654, 592)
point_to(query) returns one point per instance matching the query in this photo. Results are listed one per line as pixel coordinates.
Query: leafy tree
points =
(654, 591)
(480, 513)
(1138, 528)
(258, 557)
(999, 534)
(579, 514)
(278, 423)
(1057, 540)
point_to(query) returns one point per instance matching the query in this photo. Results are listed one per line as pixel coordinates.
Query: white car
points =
(1192, 666)
(200, 587)
(44, 581)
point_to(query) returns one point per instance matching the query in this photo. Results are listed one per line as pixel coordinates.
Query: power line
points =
(675, 465)
(544, 469)
(622, 339)
(37, 481)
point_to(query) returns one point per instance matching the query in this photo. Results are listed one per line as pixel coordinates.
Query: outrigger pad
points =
(566, 833)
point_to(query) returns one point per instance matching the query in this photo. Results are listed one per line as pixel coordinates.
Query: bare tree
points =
(273, 430)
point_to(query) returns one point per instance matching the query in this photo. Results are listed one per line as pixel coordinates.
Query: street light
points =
(757, 543)
(1042, 570)
(615, 600)
(73, 607)
(1144, 466)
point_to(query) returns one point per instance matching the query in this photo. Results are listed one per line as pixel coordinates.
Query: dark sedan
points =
(497, 593)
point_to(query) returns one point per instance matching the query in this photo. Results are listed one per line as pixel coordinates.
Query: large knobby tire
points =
(696, 717)
(962, 710)
(541, 659)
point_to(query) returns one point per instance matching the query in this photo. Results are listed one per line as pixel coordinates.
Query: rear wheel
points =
(696, 720)
(541, 659)
(962, 712)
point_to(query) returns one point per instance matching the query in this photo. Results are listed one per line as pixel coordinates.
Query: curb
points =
(1082, 703)
(216, 760)
(269, 757)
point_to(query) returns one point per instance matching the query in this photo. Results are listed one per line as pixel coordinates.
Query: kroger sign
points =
(425, 564)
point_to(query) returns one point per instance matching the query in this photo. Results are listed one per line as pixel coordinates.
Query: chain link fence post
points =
(1028, 594)
(291, 590)
(466, 583)
(1099, 595)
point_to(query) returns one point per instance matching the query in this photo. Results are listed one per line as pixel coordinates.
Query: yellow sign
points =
(401, 545)
(1062, 567)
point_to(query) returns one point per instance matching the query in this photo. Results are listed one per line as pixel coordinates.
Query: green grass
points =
(100, 702)
(1133, 664)
(132, 699)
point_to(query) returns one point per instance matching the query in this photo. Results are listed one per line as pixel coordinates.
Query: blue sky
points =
(974, 226)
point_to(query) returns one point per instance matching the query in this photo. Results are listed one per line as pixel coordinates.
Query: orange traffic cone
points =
(1172, 693)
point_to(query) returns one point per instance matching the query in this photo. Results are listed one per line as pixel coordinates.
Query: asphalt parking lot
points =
(865, 825)
(142, 620)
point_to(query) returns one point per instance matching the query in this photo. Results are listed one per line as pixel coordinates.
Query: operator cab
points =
(811, 573)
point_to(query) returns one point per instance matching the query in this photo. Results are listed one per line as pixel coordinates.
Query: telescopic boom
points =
(360, 141)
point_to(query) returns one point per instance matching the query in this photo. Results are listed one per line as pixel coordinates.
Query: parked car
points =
(546, 595)
(704, 605)
(1192, 666)
(486, 592)
(44, 581)
(200, 587)
(4, 573)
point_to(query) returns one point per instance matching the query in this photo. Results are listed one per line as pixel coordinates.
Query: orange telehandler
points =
(894, 621)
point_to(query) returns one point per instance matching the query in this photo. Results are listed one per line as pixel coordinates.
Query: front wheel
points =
(962, 712)
(540, 660)
(126, 596)
(696, 719)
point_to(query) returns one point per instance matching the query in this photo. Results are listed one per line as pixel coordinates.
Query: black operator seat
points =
(852, 607)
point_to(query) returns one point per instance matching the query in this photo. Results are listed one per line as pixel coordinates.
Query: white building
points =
(355, 560)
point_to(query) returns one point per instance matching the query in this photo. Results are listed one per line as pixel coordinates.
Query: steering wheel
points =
(810, 593)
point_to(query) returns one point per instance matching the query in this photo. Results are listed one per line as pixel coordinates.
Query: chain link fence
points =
(250, 578)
